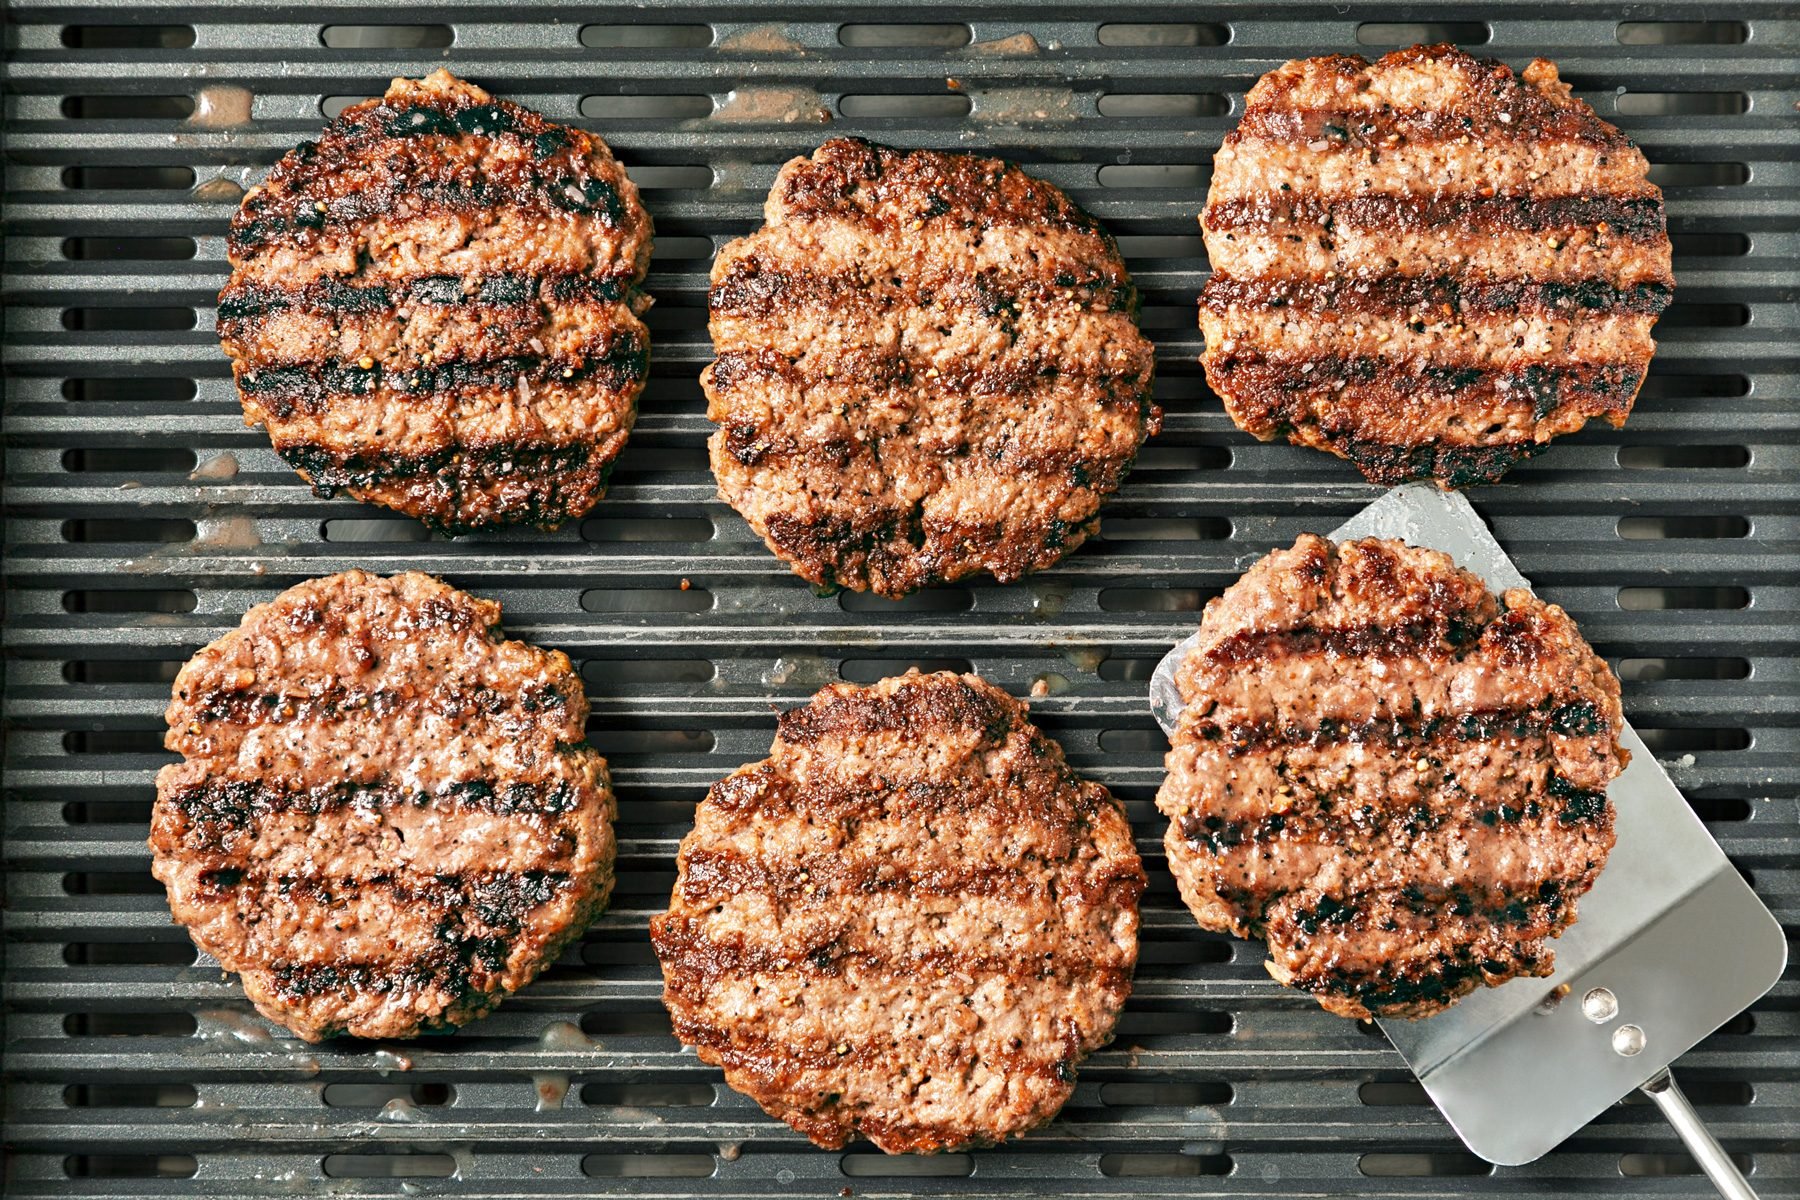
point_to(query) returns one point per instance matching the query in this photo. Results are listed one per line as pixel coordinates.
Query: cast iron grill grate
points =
(142, 519)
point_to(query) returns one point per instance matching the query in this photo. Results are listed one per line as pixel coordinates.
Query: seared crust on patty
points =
(910, 922)
(1428, 266)
(1395, 778)
(927, 365)
(435, 307)
(387, 817)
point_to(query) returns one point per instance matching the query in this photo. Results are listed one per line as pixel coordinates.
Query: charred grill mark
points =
(222, 806)
(874, 372)
(930, 707)
(341, 702)
(1550, 717)
(1274, 395)
(502, 901)
(832, 880)
(754, 445)
(1529, 119)
(1278, 383)
(903, 550)
(1634, 218)
(1220, 837)
(478, 916)
(617, 363)
(1580, 806)
(1456, 466)
(1508, 939)
(1441, 296)
(246, 302)
(483, 120)
(856, 180)
(1444, 634)
(693, 965)
(1451, 979)
(753, 289)
(304, 214)
(1022, 795)
(765, 1057)
(543, 483)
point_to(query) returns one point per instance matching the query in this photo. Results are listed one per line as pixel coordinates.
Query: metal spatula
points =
(1670, 944)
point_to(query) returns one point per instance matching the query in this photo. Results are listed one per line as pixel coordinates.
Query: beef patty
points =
(1397, 779)
(910, 922)
(1428, 266)
(927, 365)
(435, 307)
(387, 818)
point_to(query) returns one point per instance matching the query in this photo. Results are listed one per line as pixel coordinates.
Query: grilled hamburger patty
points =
(1395, 778)
(1428, 266)
(927, 365)
(387, 818)
(911, 921)
(435, 307)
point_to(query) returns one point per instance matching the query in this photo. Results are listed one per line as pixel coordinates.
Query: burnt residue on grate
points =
(142, 518)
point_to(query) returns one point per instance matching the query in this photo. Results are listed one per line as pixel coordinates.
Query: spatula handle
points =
(1694, 1135)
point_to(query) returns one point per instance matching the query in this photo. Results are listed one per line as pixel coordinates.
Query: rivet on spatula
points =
(1628, 1040)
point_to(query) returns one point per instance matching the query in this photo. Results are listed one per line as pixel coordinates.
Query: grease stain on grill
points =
(1023, 105)
(379, 1095)
(222, 106)
(220, 191)
(230, 1026)
(236, 531)
(552, 1089)
(385, 1062)
(1016, 45)
(806, 672)
(565, 1037)
(774, 105)
(763, 39)
(1088, 659)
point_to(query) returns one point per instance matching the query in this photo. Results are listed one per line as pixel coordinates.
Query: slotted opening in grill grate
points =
(143, 518)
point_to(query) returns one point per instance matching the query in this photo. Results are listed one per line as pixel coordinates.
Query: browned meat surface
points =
(435, 307)
(387, 818)
(1395, 778)
(910, 922)
(1428, 266)
(927, 365)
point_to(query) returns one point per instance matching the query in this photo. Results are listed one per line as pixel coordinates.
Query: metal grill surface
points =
(142, 518)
